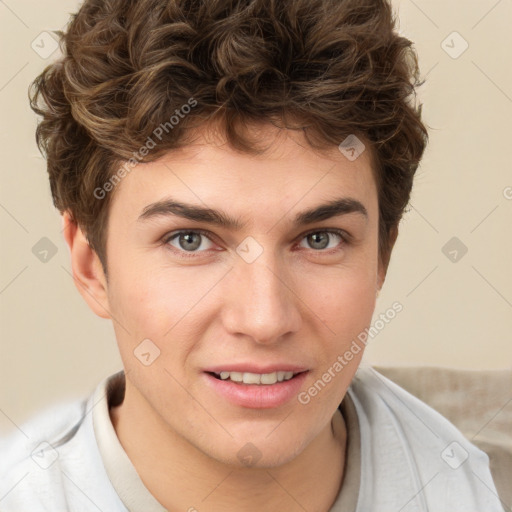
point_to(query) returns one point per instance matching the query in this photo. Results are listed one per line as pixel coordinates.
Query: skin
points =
(294, 303)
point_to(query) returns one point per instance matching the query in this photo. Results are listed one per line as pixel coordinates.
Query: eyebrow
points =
(170, 207)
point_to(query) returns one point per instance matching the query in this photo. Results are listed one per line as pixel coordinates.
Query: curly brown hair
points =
(330, 68)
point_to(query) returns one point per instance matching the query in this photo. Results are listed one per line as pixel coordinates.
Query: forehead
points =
(288, 176)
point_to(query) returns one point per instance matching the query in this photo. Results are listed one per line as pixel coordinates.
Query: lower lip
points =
(257, 396)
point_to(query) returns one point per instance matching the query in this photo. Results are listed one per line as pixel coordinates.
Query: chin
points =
(258, 452)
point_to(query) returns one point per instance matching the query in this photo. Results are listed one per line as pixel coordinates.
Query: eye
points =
(321, 240)
(189, 241)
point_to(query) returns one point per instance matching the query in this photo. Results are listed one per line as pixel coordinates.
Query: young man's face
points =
(259, 297)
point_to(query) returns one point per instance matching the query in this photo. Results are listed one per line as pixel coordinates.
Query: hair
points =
(130, 68)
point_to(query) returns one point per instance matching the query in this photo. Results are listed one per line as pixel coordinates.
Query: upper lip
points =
(254, 368)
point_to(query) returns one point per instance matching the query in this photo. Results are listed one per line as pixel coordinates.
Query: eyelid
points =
(171, 235)
(344, 235)
(347, 237)
(211, 236)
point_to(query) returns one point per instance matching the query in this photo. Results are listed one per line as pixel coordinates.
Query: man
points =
(231, 176)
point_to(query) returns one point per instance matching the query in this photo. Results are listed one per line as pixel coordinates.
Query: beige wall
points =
(454, 314)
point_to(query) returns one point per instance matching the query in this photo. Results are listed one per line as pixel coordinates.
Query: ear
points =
(87, 270)
(383, 265)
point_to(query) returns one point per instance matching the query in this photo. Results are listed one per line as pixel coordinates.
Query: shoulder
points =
(381, 402)
(29, 455)
(48, 426)
(407, 444)
(52, 462)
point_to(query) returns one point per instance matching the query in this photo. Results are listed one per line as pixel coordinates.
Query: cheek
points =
(160, 302)
(141, 303)
(343, 299)
(147, 308)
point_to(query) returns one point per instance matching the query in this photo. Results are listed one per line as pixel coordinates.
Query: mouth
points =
(256, 390)
(265, 379)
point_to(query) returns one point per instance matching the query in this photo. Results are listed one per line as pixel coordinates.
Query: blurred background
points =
(451, 267)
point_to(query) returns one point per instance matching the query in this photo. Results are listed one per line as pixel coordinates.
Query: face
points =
(224, 262)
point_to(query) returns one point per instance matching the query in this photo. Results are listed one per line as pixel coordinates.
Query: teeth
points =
(266, 378)
(256, 378)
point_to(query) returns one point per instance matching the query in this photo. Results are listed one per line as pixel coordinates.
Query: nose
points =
(260, 303)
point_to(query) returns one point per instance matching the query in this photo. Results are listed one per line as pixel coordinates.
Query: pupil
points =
(319, 240)
(187, 242)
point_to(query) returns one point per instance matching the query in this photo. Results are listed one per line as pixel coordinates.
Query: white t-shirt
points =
(401, 456)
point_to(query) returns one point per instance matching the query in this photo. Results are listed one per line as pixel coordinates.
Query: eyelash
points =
(345, 240)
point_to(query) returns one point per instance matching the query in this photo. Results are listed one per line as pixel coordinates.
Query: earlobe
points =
(87, 270)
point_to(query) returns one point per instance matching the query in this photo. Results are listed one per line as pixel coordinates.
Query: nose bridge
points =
(261, 302)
